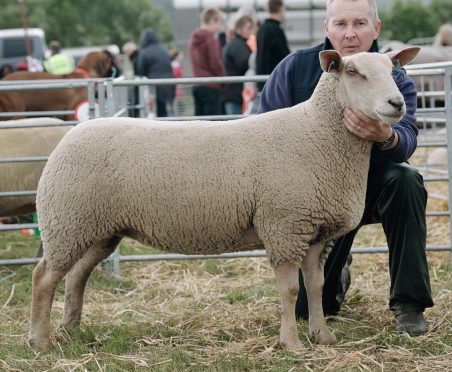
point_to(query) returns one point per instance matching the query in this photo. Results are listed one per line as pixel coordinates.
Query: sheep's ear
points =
(330, 61)
(404, 56)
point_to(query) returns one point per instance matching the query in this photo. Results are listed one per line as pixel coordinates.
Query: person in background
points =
(177, 56)
(236, 55)
(154, 62)
(396, 196)
(205, 56)
(130, 49)
(272, 44)
(58, 63)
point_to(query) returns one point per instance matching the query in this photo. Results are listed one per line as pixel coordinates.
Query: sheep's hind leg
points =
(45, 281)
(77, 279)
(312, 268)
(287, 282)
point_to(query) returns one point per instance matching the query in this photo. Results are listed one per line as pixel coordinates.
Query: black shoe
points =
(346, 280)
(411, 322)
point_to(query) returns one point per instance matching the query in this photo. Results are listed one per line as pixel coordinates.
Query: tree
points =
(442, 10)
(409, 19)
(87, 22)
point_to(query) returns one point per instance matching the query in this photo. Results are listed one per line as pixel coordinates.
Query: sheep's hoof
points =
(39, 343)
(293, 345)
(70, 323)
(323, 337)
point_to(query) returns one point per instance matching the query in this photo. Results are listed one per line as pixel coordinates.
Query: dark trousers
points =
(161, 109)
(397, 198)
(208, 101)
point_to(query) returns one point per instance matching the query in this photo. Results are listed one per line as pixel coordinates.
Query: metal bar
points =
(17, 226)
(12, 114)
(172, 257)
(19, 85)
(437, 213)
(448, 104)
(435, 179)
(17, 193)
(68, 123)
(192, 80)
(121, 112)
(91, 99)
(432, 144)
(110, 98)
(101, 99)
(24, 159)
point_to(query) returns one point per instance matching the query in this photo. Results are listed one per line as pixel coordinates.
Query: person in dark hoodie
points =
(154, 62)
(235, 56)
(205, 56)
(272, 44)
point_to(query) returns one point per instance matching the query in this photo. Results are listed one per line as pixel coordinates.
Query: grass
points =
(217, 315)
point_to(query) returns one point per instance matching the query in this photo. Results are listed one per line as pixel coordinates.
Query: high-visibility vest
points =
(59, 64)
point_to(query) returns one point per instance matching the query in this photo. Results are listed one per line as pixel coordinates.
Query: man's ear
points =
(330, 61)
(404, 56)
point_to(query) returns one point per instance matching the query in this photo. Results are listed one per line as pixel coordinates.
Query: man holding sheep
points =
(396, 196)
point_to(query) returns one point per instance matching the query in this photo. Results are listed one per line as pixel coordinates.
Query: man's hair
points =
(274, 6)
(210, 14)
(372, 6)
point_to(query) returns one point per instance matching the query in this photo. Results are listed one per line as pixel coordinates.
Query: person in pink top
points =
(205, 55)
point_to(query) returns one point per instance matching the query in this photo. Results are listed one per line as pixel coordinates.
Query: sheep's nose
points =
(396, 102)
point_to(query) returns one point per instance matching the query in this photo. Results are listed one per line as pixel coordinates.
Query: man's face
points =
(350, 26)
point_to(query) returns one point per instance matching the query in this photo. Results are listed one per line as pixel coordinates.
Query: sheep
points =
(444, 36)
(21, 142)
(290, 180)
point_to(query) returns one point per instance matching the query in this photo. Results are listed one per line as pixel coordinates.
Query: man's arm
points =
(276, 93)
(406, 128)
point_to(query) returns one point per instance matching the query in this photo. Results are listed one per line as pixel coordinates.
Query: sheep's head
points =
(367, 82)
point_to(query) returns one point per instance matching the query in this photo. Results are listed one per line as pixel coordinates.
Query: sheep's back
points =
(169, 185)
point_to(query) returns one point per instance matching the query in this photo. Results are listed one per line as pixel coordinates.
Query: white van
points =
(13, 48)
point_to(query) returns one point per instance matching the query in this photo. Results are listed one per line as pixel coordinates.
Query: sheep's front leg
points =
(313, 275)
(287, 282)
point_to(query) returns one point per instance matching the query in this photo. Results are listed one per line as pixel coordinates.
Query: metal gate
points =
(114, 99)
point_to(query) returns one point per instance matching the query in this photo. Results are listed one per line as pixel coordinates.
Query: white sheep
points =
(291, 179)
(25, 142)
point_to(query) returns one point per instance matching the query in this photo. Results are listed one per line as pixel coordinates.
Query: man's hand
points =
(366, 128)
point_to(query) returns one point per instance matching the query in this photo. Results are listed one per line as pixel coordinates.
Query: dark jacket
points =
(154, 62)
(235, 56)
(205, 55)
(296, 77)
(272, 47)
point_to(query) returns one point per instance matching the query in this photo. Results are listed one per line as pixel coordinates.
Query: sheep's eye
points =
(353, 72)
